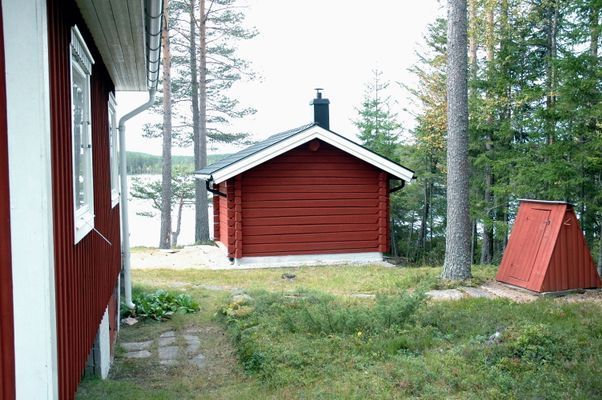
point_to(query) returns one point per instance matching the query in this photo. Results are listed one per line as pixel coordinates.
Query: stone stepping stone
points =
(138, 354)
(198, 360)
(363, 296)
(193, 343)
(137, 346)
(168, 355)
(478, 292)
(168, 334)
(166, 341)
(517, 295)
(446, 294)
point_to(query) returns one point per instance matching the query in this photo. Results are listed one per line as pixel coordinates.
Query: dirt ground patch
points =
(196, 257)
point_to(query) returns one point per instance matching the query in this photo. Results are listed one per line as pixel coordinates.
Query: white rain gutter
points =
(153, 23)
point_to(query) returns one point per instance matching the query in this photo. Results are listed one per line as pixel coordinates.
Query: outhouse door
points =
(535, 227)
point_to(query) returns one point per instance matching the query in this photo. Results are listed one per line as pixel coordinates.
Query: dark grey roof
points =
(233, 158)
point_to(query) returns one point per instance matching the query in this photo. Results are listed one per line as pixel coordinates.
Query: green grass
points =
(327, 348)
(309, 339)
(336, 280)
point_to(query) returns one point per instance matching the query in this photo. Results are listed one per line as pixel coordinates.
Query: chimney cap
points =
(319, 99)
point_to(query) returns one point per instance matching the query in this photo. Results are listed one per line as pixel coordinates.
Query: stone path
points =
(171, 348)
(490, 290)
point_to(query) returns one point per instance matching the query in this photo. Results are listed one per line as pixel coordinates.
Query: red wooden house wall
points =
(85, 273)
(7, 362)
(314, 199)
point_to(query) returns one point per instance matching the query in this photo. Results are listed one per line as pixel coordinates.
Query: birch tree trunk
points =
(166, 191)
(457, 244)
(201, 230)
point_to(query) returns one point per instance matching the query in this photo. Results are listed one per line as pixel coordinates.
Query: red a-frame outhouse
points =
(547, 251)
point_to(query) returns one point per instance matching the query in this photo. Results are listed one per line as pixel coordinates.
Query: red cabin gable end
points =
(313, 199)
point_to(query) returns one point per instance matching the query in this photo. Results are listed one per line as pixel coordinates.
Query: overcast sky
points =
(333, 44)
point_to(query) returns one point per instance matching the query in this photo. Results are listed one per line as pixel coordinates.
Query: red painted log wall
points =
(222, 215)
(7, 360)
(85, 273)
(311, 202)
(216, 232)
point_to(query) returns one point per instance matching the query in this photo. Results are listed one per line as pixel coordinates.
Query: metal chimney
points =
(321, 116)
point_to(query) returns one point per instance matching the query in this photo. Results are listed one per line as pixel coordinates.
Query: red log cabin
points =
(303, 196)
(60, 241)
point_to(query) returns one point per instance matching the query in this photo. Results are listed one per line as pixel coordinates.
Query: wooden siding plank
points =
(308, 220)
(312, 189)
(262, 196)
(330, 172)
(310, 237)
(7, 359)
(301, 252)
(85, 273)
(340, 180)
(350, 245)
(337, 203)
(316, 228)
(292, 212)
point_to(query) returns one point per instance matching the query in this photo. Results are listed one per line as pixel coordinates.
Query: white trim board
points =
(304, 136)
(28, 115)
(308, 259)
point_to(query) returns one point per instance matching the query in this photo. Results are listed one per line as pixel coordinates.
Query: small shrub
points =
(161, 305)
(531, 344)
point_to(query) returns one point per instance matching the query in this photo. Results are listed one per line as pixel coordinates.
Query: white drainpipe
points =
(125, 227)
(154, 19)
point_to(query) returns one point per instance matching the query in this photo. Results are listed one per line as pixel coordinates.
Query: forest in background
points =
(535, 129)
(143, 163)
(534, 84)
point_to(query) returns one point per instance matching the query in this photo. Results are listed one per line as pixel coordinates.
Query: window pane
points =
(80, 145)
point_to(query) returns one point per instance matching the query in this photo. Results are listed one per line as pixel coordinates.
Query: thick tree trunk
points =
(487, 248)
(165, 236)
(201, 231)
(457, 241)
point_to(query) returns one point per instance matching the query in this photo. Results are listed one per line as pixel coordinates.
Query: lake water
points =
(144, 231)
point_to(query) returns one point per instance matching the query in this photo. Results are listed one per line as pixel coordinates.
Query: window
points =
(83, 189)
(113, 151)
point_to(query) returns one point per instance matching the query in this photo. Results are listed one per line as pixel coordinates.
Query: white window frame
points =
(113, 150)
(81, 62)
